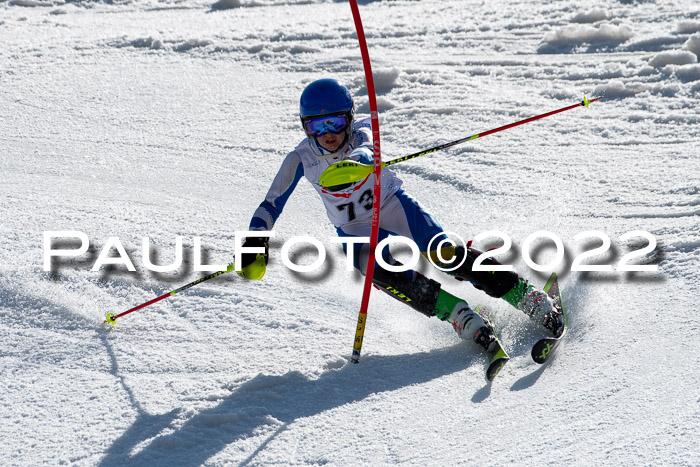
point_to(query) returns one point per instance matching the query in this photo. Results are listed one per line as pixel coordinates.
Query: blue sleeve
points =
(282, 186)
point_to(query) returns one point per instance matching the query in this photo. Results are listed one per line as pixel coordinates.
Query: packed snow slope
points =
(167, 119)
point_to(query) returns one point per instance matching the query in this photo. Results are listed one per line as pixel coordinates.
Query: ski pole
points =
(350, 171)
(111, 318)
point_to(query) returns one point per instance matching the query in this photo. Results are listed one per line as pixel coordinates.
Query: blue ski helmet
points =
(326, 97)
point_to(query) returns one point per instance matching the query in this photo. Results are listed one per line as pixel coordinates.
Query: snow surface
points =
(169, 118)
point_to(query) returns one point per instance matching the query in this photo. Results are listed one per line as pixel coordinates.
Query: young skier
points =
(327, 117)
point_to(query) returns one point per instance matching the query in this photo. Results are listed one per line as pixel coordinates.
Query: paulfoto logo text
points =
(625, 263)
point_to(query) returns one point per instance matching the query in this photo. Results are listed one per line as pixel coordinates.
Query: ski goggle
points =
(335, 124)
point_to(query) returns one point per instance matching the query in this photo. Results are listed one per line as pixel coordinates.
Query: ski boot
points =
(536, 304)
(466, 322)
(469, 325)
(554, 322)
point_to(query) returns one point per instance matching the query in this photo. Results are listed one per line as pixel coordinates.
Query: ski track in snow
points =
(169, 118)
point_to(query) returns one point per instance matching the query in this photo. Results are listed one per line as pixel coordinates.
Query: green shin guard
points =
(446, 302)
(515, 295)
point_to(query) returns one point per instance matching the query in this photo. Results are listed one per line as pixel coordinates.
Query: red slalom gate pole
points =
(362, 318)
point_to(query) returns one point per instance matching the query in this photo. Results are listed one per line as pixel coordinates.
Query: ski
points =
(544, 348)
(499, 357)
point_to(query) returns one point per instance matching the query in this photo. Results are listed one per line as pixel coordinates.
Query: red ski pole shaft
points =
(112, 318)
(583, 103)
(143, 305)
(531, 119)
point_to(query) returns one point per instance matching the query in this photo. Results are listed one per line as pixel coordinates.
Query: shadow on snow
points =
(276, 401)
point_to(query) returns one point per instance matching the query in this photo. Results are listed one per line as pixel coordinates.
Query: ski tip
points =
(550, 282)
(499, 359)
(542, 350)
(495, 367)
